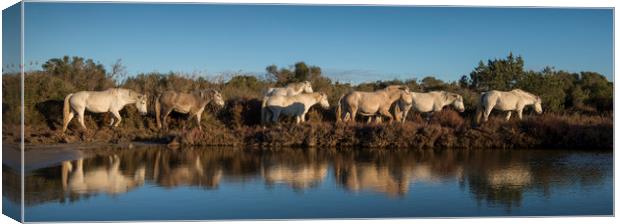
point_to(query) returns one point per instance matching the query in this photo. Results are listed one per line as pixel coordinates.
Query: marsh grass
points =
(238, 122)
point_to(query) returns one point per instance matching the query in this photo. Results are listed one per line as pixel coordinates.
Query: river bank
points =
(446, 130)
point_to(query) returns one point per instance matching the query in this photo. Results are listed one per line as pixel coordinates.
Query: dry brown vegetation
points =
(237, 124)
(575, 122)
(234, 125)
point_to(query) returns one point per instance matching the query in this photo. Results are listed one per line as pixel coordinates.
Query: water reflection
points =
(495, 177)
(105, 178)
(298, 169)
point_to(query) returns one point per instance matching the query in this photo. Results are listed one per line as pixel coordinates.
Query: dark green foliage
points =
(83, 74)
(559, 90)
(497, 74)
(598, 90)
(430, 83)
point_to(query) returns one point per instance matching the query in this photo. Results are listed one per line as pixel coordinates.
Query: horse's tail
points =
(158, 111)
(66, 112)
(339, 109)
(264, 113)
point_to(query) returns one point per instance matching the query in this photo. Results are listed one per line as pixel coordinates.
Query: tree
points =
(599, 90)
(119, 71)
(302, 72)
(497, 74)
(280, 76)
(431, 83)
(83, 74)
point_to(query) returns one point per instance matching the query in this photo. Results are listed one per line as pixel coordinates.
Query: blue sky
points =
(351, 44)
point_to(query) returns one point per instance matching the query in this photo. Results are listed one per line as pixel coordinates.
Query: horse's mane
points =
(197, 92)
(391, 88)
(444, 94)
(113, 90)
(129, 92)
(524, 93)
(313, 94)
(296, 85)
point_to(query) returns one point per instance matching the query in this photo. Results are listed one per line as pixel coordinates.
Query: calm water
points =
(147, 183)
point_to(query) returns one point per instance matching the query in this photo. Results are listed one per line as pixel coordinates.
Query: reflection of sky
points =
(253, 199)
(351, 184)
(10, 208)
(379, 42)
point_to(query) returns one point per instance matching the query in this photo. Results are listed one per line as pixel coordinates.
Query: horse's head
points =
(307, 87)
(458, 102)
(213, 95)
(397, 90)
(406, 98)
(322, 99)
(141, 103)
(538, 105)
(405, 89)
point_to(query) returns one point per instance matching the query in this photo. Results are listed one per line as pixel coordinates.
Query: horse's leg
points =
(111, 121)
(487, 112)
(118, 118)
(369, 120)
(405, 112)
(66, 122)
(81, 118)
(189, 119)
(353, 114)
(275, 115)
(386, 112)
(298, 119)
(520, 113)
(346, 116)
(198, 115)
(508, 115)
(165, 117)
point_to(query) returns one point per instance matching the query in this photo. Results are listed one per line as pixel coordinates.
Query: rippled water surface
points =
(148, 183)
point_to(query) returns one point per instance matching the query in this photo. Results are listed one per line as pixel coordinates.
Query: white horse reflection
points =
(298, 177)
(517, 176)
(108, 180)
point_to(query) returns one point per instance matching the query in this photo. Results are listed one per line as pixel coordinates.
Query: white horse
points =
(428, 103)
(369, 103)
(111, 100)
(514, 100)
(292, 106)
(291, 89)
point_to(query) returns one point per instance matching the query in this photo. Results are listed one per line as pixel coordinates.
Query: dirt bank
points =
(444, 131)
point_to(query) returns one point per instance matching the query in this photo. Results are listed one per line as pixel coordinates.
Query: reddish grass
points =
(237, 124)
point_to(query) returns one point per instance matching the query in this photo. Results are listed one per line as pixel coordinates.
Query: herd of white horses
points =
(294, 100)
